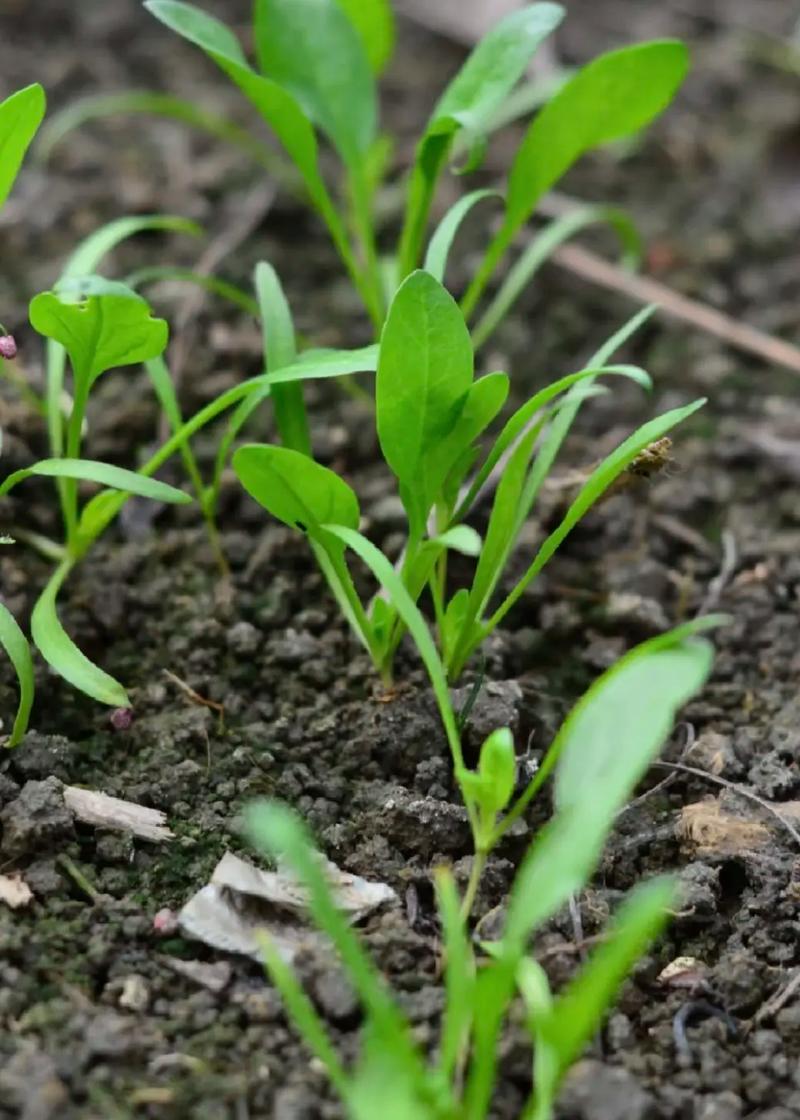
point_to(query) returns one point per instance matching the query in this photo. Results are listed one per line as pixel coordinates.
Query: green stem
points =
(359, 616)
(478, 867)
(365, 231)
(74, 427)
(338, 234)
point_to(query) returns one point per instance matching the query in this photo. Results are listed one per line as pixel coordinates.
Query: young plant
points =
(596, 760)
(431, 413)
(103, 325)
(316, 76)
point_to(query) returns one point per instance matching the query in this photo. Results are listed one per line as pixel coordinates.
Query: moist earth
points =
(105, 1012)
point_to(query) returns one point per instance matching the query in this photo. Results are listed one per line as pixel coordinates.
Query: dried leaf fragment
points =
(707, 829)
(14, 891)
(241, 901)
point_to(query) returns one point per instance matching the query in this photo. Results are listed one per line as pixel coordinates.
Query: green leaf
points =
(276, 105)
(323, 364)
(612, 97)
(561, 1033)
(494, 68)
(485, 398)
(469, 104)
(386, 1082)
(459, 972)
(497, 769)
(519, 420)
(16, 646)
(461, 538)
(500, 536)
(303, 1013)
(311, 49)
(88, 470)
(61, 653)
(20, 116)
(293, 488)
(649, 685)
(279, 833)
(596, 485)
(444, 235)
(425, 370)
(100, 332)
(416, 625)
(374, 22)
(86, 259)
(280, 351)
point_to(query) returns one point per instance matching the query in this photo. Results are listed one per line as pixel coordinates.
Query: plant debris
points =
(241, 900)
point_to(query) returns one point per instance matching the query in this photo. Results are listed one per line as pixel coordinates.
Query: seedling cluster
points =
(449, 442)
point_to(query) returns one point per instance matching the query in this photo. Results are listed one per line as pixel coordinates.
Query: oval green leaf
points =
(612, 97)
(311, 49)
(425, 369)
(294, 489)
(20, 116)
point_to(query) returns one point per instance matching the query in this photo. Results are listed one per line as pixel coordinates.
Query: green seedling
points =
(103, 326)
(315, 79)
(431, 415)
(602, 750)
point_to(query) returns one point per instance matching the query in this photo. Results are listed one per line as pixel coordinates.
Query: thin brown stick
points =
(773, 1005)
(643, 289)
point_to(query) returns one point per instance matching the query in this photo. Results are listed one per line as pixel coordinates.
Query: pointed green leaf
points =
(425, 370)
(648, 686)
(311, 49)
(374, 22)
(16, 646)
(470, 103)
(276, 105)
(561, 1033)
(20, 116)
(444, 234)
(88, 470)
(280, 351)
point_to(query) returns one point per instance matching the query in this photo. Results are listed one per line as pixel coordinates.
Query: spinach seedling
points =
(315, 80)
(431, 414)
(596, 760)
(103, 326)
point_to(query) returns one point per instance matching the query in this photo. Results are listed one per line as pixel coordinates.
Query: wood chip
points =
(14, 891)
(102, 811)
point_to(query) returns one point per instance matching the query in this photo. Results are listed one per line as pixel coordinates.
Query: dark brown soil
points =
(715, 188)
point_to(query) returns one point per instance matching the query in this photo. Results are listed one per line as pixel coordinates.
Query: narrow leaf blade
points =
(16, 646)
(61, 653)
